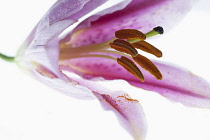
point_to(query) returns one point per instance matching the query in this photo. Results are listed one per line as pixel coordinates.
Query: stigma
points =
(126, 44)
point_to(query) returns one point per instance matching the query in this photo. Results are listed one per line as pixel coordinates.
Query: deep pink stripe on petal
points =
(142, 15)
(178, 84)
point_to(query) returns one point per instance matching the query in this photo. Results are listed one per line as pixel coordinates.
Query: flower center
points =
(125, 45)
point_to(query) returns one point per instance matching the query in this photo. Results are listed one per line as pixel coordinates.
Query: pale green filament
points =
(89, 55)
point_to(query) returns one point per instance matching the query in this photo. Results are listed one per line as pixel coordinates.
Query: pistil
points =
(156, 31)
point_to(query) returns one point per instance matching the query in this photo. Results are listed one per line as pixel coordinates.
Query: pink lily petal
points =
(42, 46)
(128, 111)
(87, 22)
(70, 88)
(178, 84)
(142, 15)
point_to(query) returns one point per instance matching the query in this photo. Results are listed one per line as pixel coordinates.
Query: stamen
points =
(124, 46)
(148, 65)
(145, 46)
(130, 67)
(130, 34)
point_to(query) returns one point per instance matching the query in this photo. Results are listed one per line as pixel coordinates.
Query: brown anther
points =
(124, 46)
(130, 67)
(130, 34)
(148, 65)
(144, 46)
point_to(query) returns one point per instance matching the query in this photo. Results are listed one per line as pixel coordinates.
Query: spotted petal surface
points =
(178, 84)
(142, 15)
(129, 113)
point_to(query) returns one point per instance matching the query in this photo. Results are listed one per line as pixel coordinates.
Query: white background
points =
(31, 111)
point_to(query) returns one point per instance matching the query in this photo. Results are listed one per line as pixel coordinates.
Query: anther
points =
(144, 46)
(130, 34)
(148, 65)
(130, 67)
(124, 46)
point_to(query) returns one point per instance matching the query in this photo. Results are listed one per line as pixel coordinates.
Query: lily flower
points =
(104, 46)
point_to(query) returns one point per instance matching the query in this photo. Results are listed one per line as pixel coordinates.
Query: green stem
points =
(7, 58)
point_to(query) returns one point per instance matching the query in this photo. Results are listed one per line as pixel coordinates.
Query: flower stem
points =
(7, 58)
